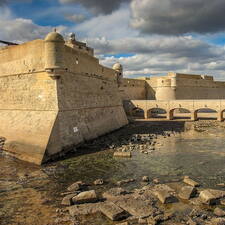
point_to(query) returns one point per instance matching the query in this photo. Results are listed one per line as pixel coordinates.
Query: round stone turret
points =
(119, 72)
(54, 37)
(118, 67)
(54, 53)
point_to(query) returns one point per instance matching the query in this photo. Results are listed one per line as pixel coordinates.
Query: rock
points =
(219, 212)
(221, 185)
(75, 186)
(211, 196)
(187, 192)
(113, 212)
(85, 197)
(125, 223)
(67, 200)
(85, 209)
(135, 206)
(142, 221)
(217, 221)
(145, 179)
(114, 192)
(125, 181)
(98, 182)
(207, 197)
(189, 181)
(122, 154)
(156, 181)
(191, 222)
(165, 197)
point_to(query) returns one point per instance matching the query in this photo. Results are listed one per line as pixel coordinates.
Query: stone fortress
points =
(55, 95)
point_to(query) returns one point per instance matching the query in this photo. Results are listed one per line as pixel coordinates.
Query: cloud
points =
(115, 25)
(98, 6)
(178, 16)
(77, 18)
(4, 2)
(157, 55)
(21, 30)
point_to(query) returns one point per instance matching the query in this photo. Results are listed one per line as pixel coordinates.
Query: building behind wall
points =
(171, 87)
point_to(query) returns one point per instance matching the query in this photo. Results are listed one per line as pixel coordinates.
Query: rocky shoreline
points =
(147, 204)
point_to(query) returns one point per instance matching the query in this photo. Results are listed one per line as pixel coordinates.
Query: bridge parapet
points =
(193, 106)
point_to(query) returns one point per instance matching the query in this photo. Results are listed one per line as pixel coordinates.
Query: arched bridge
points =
(193, 106)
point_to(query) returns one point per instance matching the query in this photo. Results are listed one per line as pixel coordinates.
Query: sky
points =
(148, 37)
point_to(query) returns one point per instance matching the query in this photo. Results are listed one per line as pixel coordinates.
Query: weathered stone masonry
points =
(55, 95)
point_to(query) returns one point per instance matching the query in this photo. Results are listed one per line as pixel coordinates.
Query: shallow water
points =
(30, 194)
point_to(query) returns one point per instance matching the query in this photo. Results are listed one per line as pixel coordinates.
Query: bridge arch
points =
(156, 113)
(206, 113)
(179, 113)
(138, 112)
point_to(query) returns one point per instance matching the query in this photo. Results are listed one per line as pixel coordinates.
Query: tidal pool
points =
(31, 194)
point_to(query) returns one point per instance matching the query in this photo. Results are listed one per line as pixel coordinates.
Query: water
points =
(31, 194)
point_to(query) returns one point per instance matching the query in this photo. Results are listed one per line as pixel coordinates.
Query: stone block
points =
(165, 197)
(187, 192)
(207, 197)
(114, 192)
(113, 212)
(122, 154)
(67, 200)
(189, 181)
(85, 197)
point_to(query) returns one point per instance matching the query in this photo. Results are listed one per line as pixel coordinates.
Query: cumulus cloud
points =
(77, 18)
(178, 16)
(158, 55)
(98, 6)
(115, 25)
(21, 30)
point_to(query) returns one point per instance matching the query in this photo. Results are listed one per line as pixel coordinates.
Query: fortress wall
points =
(80, 62)
(89, 106)
(132, 89)
(24, 58)
(28, 102)
(28, 109)
(53, 98)
(199, 87)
